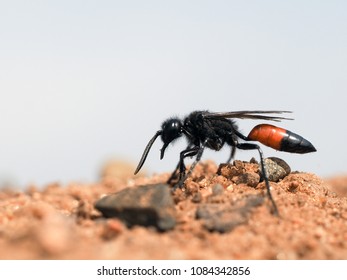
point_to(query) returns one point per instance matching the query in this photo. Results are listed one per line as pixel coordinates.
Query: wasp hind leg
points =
(250, 146)
(232, 154)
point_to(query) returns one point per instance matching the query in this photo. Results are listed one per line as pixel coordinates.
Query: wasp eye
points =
(172, 129)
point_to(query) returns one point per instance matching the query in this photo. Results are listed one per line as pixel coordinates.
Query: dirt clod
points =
(239, 173)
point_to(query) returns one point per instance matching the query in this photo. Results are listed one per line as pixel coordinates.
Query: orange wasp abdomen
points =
(280, 139)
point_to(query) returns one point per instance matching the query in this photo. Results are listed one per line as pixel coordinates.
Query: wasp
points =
(213, 130)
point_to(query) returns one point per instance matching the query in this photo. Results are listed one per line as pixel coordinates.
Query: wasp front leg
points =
(198, 151)
(181, 168)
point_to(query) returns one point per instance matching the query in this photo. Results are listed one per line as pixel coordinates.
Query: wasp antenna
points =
(146, 151)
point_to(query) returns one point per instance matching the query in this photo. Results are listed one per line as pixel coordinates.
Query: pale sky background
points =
(85, 81)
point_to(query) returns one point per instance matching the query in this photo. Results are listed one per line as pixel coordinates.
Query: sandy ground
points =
(217, 216)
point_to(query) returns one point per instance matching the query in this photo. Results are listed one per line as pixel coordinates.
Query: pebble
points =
(276, 169)
(249, 178)
(148, 205)
(217, 189)
(222, 217)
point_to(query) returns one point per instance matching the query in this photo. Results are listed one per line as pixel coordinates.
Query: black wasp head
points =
(171, 130)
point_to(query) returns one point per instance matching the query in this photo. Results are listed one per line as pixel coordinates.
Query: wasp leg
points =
(198, 151)
(181, 168)
(249, 146)
(232, 154)
(173, 175)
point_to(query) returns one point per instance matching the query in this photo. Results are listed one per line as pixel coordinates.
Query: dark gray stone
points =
(224, 217)
(149, 205)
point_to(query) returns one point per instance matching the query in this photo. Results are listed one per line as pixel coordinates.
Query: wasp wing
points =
(258, 115)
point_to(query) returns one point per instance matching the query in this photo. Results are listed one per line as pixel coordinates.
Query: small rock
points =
(112, 228)
(276, 169)
(223, 217)
(149, 205)
(217, 218)
(251, 179)
(217, 189)
(197, 197)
